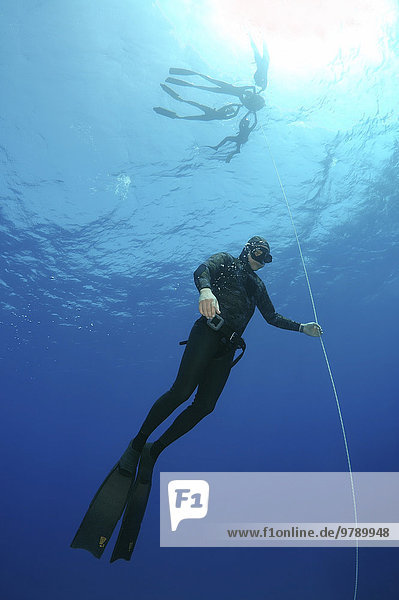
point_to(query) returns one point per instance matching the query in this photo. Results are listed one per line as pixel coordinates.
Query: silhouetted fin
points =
(135, 509)
(107, 506)
(173, 71)
(164, 112)
(255, 50)
(180, 82)
(169, 91)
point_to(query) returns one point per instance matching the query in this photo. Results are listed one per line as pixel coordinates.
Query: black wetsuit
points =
(206, 361)
(238, 290)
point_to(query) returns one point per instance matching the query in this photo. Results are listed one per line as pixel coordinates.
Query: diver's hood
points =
(254, 242)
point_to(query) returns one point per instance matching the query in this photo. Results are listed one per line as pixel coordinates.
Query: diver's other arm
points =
(269, 313)
(313, 329)
(208, 304)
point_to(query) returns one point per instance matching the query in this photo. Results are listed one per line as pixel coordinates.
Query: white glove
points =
(208, 304)
(312, 329)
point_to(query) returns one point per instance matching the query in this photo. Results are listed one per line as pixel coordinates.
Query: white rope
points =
(327, 363)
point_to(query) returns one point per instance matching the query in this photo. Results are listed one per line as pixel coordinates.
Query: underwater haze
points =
(107, 208)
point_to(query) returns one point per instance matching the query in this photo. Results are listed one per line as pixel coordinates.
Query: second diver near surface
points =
(229, 289)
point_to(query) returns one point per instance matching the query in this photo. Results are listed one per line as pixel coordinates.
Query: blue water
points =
(106, 211)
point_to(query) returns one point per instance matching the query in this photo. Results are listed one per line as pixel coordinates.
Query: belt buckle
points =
(215, 326)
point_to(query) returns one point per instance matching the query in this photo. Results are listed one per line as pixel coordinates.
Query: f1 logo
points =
(188, 499)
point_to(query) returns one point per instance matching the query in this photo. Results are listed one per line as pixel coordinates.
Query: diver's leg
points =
(218, 82)
(224, 87)
(232, 91)
(255, 50)
(230, 156)
(208, 112)
(229, 138)
(172, 115)
(201, 347)
(209, 116)
(203, 107)
(209, 390)
(221, 84)
(176, 96)
(236, 151)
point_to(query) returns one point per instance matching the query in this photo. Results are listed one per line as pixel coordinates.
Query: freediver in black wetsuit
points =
(262, 64)
(229, 291)
(210, 114)
(247, 95)
(241, 138)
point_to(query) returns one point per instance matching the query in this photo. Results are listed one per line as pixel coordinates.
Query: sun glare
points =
(304, 36)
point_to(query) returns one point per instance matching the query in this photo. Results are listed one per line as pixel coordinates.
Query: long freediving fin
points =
(165, 112)
(107, 506)
(135, 508)
(180, 82)
(171, 92)
(174, 71)
(255, 50)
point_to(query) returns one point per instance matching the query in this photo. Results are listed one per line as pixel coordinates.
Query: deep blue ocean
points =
(107, 208)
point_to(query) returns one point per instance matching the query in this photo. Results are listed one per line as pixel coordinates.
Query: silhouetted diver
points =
(262, 63)
(240, 138)
(248, 95)
(229, 111)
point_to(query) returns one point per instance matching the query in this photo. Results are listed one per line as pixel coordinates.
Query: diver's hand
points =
(312, 329)
(208, 304)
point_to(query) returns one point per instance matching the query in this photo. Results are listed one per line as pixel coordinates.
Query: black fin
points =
(135, 508)
(173, 71)
(165, 112)
(180, 82)
(171, 92)
(107, 506)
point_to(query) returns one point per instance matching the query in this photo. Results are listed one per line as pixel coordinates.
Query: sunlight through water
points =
(306, 36)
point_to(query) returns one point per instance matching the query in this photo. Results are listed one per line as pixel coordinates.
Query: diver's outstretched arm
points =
(245, 118)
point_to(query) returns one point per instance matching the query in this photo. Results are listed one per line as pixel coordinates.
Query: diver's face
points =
(255, 266)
